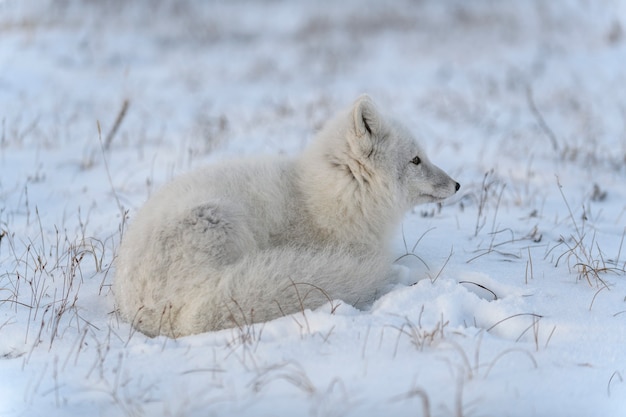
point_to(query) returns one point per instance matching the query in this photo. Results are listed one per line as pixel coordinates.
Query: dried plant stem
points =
(539, 118)
(116, 125)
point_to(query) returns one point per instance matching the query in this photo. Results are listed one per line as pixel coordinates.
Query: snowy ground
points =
(519, 307)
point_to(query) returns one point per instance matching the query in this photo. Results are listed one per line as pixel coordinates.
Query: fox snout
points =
(442, 185)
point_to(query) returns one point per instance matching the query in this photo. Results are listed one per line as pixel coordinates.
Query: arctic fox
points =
(251, 240)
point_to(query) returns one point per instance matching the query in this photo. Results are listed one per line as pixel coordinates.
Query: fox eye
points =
(416, 160)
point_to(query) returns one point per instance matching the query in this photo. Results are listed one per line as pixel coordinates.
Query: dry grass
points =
(583, 253)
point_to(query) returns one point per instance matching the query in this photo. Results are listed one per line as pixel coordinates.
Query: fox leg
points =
(216, 233)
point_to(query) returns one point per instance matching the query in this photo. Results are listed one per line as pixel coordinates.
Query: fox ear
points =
(367, 124)
(366, 117)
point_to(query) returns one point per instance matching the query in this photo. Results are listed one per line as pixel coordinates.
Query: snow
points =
(518, 302)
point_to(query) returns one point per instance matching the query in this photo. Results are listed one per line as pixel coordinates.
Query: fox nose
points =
(457, 186)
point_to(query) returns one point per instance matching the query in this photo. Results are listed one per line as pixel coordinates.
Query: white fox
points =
(251, 240)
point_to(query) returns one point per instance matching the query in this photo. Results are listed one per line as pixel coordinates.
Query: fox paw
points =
(202, 218)
(216, 234)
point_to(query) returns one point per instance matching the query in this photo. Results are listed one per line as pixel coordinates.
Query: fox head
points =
(364, 171)
(387, 146)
